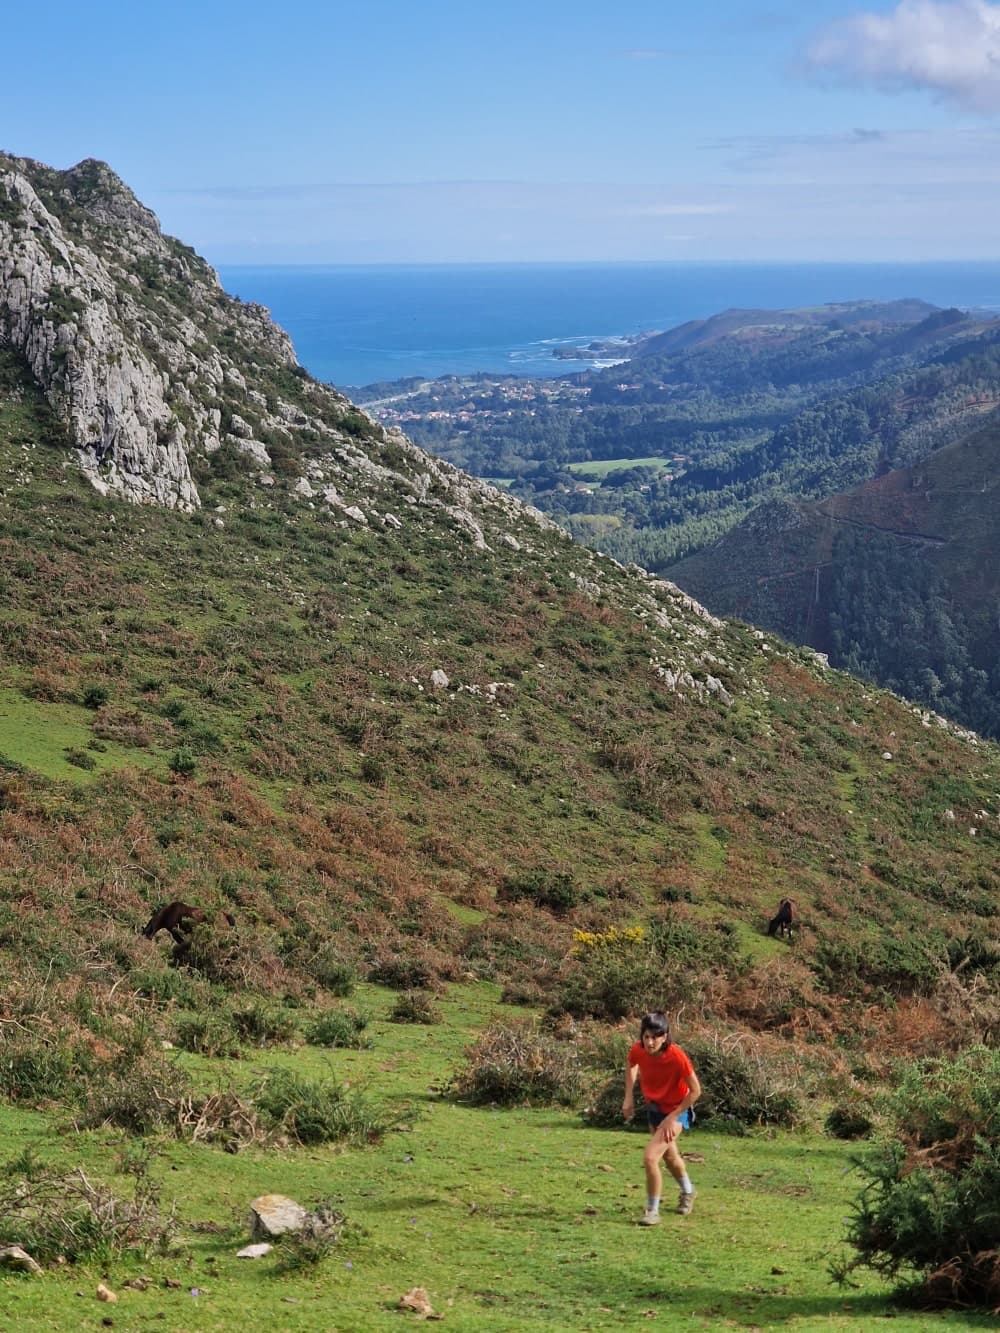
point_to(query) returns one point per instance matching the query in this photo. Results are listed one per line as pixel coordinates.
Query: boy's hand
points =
(628, 1108)
(670, 1129)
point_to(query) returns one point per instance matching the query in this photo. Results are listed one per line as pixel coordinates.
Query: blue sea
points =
(355, 325)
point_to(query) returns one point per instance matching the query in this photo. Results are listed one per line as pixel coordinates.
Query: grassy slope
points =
(511, 1220)
(337, 795)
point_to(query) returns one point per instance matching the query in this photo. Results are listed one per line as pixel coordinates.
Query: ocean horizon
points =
(354, 325)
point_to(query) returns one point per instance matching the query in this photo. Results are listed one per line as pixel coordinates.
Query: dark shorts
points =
(656, 1117)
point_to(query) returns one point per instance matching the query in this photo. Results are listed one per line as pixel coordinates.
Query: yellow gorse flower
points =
(612, 940)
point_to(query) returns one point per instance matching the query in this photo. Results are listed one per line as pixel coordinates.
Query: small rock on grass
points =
(417, 1300)
(255, 1251)
(106, 1294)
(275, 1214)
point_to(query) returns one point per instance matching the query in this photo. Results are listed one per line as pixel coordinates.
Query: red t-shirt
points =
(663, 1077)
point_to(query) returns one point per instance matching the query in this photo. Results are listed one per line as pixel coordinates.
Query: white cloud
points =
(949, 47)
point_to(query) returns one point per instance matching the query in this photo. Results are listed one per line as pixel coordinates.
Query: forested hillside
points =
(896, 579)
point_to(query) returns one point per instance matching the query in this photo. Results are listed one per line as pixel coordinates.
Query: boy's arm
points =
(671, 1126)
(628, 1104)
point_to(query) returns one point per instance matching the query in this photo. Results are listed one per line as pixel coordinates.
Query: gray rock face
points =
(119, 324)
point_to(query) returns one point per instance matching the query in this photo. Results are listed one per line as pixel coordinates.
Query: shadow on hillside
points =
(763, 1309)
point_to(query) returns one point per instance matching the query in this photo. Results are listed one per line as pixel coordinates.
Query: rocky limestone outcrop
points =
(122, 328)
(151, 366)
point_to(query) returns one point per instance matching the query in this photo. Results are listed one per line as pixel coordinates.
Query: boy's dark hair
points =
(656, 1023)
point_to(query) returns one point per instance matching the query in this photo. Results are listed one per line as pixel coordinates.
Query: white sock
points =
(685, 1183)
(652, 1205)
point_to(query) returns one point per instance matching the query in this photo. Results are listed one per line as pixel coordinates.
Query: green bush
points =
(896, 966)
(316, 1110)
(317, 1239)
(928, 1208)
(210, 1033)
(182, 761)
(605, 1055)
(415, 1006)
(554, 890)
(95, 696)
(80, 758)
(139, 1095)
(165, 985)
(741, 1087)
(33, 1073)
(339, 1027)
(850, 1120)
(518, 1063)
(262, 1023)
(627, 971)
(332, 972)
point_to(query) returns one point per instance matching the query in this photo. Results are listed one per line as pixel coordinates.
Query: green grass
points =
(37, 735)
(605, 466)
(517, 1219)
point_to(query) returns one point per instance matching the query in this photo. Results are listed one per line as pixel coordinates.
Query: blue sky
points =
(435, 131)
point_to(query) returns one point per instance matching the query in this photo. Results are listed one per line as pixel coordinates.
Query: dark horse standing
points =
(784, 919)
(179, 919)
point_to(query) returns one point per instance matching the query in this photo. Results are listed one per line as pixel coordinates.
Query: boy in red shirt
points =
(670, 1088)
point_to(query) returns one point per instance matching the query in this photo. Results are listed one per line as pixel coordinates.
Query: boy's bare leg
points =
(657, 1151)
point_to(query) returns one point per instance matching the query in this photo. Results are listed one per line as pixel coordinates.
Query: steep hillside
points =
(395, 721)
(896, 580)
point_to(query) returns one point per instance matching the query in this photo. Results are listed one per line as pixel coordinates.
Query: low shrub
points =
(210, 1034)
(138, 1095)
(611, 974)
(415, 1006)
(403, 972)
(80, 758)
(741, 1087)
(519, 1063)
(94, 696)
(887, 963)
(315, 1242)
(555, 890)
(33, 1072)
(339, 1027)
(166, 985)
(182, 761)
(316, 1110)
(928, 1207)
(332, 972)
(850, 1120)
(55, 1214)
(604, 1053)
(624, 971)
(263, 1024)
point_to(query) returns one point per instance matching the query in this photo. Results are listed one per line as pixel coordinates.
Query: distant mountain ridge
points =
(748, 324)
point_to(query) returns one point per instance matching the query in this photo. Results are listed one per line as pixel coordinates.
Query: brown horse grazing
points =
(784, 919)
(179, 918)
